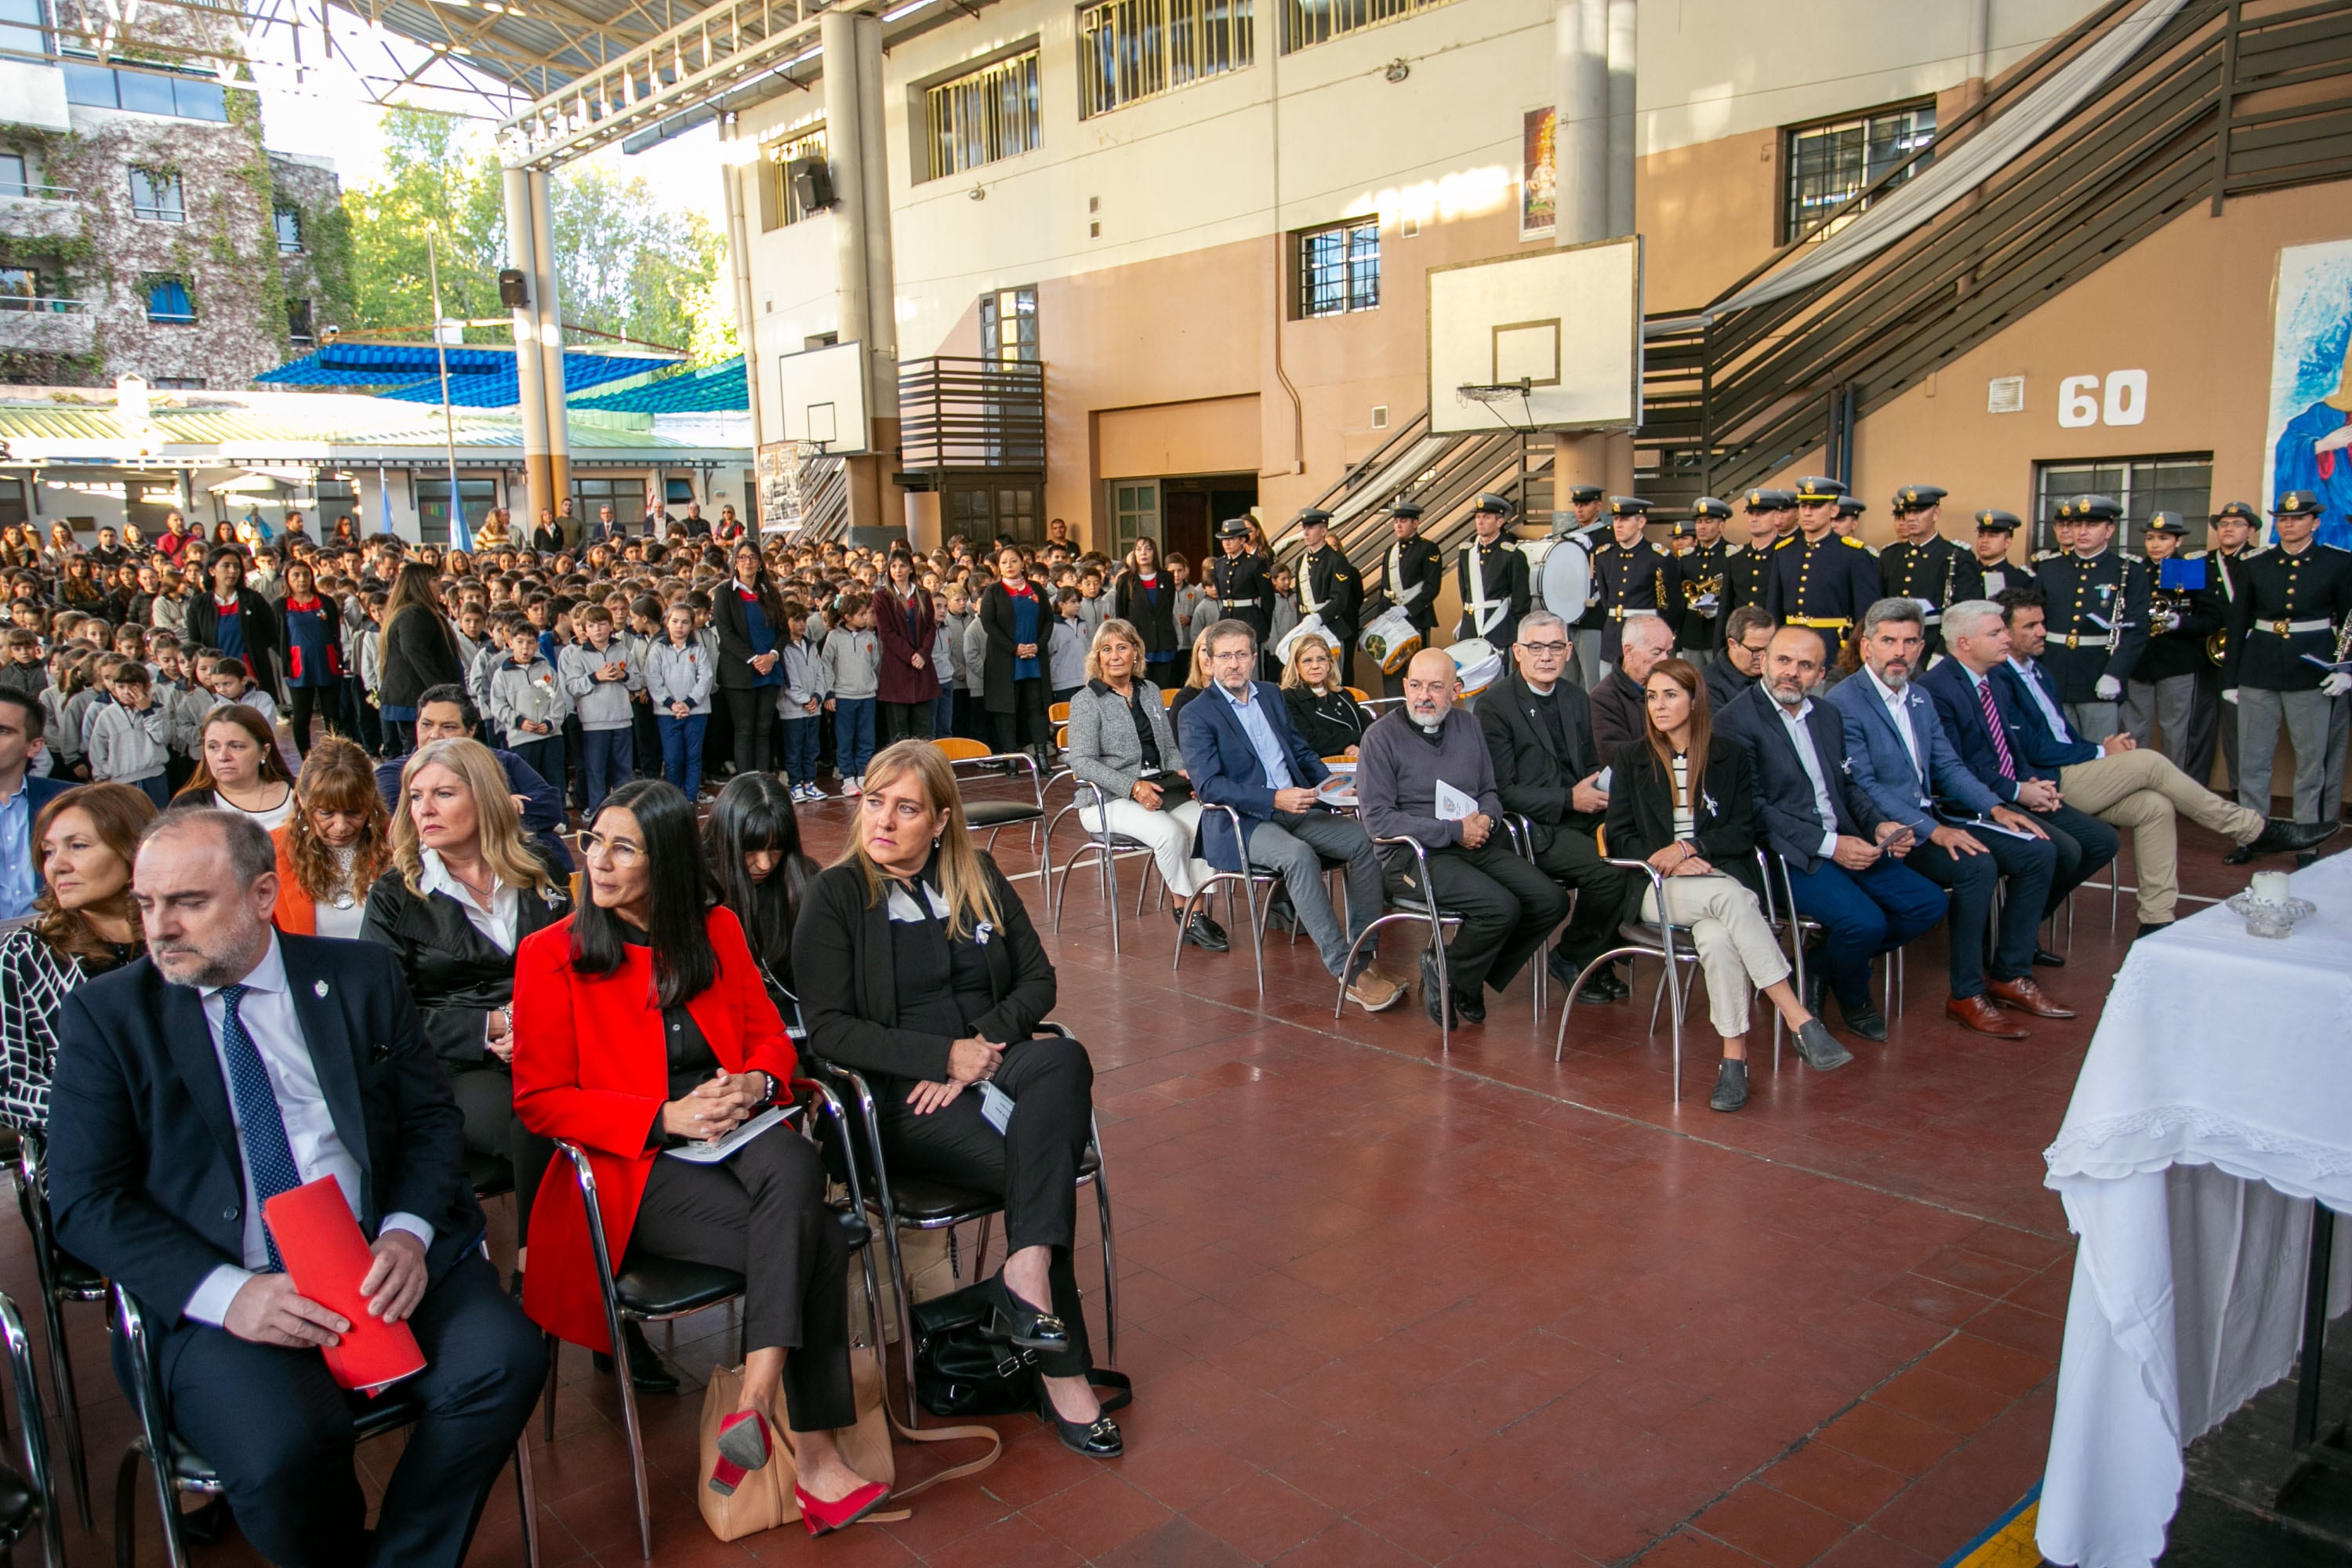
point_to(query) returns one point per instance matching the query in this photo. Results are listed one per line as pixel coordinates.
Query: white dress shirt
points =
(497, 924)
(2057, 721)
(1802, 737)
(268, 1014)
(1898, 708)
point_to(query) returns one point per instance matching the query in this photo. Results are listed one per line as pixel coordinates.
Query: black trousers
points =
(1572, 859)
(306, 700)
(485, 1096)
(905, 721)
(2084, 843)
(279, 1431)
(1033, 1164)
(2028, 864)
(752, 719)
(762, 1213)
(1507, 906)
(1026, 725)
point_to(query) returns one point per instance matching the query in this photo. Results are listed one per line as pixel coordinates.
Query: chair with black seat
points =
(1674, 946)
(646, 1289)
(993, 816)
(917, 1203)
(177, 1468)
(28, 1497)
(1247, 883)
(1410, 909)
(63, 1277)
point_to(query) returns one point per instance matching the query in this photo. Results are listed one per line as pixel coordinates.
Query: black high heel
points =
(1010, 1318)
(1096, 1439)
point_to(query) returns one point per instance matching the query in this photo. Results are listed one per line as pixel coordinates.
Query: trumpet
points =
(1709, 588)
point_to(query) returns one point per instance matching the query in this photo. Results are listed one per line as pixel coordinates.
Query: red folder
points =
(327, 1258)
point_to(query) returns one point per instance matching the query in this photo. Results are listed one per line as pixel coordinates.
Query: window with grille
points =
(1340, 267)
(780, 203)
(1308, 22)
(1133, 49)
(2181, 482)
(1008, 326)
(169, 303)
(1827, 164)
(982, 116)
(288, 221)
(156, 194)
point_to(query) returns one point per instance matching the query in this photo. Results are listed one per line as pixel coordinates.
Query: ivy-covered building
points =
(144, 229)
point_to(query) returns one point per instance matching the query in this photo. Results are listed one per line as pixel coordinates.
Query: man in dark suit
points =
(1837, 846)
(22, 796)
(1617, 700)
(231, 1063)
(1538, 729)
(1241, 750)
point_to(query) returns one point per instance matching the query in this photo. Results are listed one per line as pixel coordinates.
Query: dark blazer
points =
(456, 975)
(146, 1172)
(997, 627)
(1785, 807)
(1329, 722)
(1724, 682)
(903, 629)
(419, 653)
(1153, 615)
(1947, 684)
(849, 992)
(1641, 811)
(255, 616)
(2043, 753)
(1618, 719)
(38, 791)
(735, 671)
(1226, 771)
(1529, 778)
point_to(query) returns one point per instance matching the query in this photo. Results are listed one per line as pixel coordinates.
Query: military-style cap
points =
(1233, 528)
(2166, 522)
(1918, 498)
(1709, 506)
(1493, 503)
(1814, 489)
(1405, 509)
(1769, 501)
(1585, 494)
(1314, 516)
(1628, 506)
(2240, 509)
(2296, 503)
(1681, 529)
(1852, 506)
(2091, 509)
(1992, 519)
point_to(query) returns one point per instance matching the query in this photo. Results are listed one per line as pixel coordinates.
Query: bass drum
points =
(1560, 568)
(1478, 662)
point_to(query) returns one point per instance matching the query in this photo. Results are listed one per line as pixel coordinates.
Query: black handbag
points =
(961, 1371)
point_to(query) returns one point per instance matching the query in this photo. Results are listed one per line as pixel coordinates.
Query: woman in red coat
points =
(641, 1024)
(907, 624)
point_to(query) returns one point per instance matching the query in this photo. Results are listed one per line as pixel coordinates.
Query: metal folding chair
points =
(1671, 945)
(1424, 909)
(994, 817)
(1247, 882)
(32, 1497)
(63, 1277)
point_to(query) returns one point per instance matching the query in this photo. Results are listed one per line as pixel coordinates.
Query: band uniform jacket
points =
(2110, 588)
(1631, 579)
(1826, 582)
(1530, 777)
(1502, 569)
(1995, 581)
(2287, 605)
(2181, 650)
(1414, 563)
(1937, 571)
(1746, 580)
(2229, 580)
(1702, 628)
(1329, 586)
(1246, 589)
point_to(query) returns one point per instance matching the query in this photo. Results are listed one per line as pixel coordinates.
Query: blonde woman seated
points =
(1327, 718)
(1680, 799)
(1121, 741)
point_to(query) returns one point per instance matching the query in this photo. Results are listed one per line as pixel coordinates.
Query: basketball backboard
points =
(822, 395)
(1548, 340)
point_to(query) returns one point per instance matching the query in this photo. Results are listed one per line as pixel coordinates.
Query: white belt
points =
(1403, 597)
(1486, 613)
(2097, 639)
(2294, 628)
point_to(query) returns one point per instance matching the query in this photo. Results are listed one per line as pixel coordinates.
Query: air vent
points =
(2005, 395)
(1379, 416)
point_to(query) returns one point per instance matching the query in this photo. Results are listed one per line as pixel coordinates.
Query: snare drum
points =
(1391, 639)
(1311, 626)
(1478, 662)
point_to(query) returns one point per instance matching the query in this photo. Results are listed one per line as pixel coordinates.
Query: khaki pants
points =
(2143, 791)
(1736, 951)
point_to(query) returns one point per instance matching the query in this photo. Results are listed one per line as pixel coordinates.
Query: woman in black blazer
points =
(749, 615)
(1326, 717)
(918, 965)
(419, 652)
(1014, 614)
(466, 886)
(251, 631)
(1696, 828)
(1145, 598)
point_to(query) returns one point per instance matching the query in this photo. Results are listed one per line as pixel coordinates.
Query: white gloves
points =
(2336, 684)
(2230, 695)
(2108, 689)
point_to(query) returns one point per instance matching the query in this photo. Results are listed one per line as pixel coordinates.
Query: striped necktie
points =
(1992, 723)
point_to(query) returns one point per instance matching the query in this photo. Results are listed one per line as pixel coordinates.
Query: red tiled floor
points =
(1386, 1305)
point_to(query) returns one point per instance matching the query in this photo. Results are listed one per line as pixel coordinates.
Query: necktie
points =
(269, 1155)
(1992, 723)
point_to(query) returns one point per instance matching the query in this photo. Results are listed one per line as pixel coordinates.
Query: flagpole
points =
(460, 537)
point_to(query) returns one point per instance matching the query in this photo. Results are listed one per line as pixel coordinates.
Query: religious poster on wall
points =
(1539, 176)
(779, 501)
(2310, 425)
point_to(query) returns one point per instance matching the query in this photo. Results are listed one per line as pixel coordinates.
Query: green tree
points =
(629, 266)
(438, 170)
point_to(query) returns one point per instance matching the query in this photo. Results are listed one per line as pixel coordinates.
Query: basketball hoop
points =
(1492, 394)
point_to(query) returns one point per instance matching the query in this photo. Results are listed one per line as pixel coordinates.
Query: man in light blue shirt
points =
(22, 796)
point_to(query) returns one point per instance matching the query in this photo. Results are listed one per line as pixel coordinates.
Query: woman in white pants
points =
(1680, 799)
(1121, 742)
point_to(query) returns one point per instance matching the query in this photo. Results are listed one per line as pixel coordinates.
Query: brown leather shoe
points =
(1979, 1014)
(2026, 997)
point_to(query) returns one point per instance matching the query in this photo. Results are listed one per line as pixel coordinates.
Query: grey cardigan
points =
(1103, 748)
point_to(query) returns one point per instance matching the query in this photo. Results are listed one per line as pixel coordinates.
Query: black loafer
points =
(1470, 1009)
(1202, 932)
(2045, 959)
(646, 1373)
(1015, 1320)
(1096, 1439)
(2242, 854)
(1618, 989)
(1863, 1019)
(1730, 1086)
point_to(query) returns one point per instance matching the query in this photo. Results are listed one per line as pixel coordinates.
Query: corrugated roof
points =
(43, 432)
(714, 389)
(479, 377)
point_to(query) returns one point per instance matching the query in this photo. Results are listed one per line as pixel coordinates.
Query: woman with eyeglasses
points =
(646, 1027)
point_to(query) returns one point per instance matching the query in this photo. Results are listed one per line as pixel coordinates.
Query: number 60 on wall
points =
(2081, 403)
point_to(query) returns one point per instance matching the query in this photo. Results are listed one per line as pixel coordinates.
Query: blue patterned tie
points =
(269, 1155)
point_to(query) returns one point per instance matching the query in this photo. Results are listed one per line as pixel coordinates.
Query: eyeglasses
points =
(1545, 647)
(622, 853)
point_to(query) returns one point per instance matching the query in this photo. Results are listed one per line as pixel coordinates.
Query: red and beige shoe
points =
(824, 1518)
(743, 1448)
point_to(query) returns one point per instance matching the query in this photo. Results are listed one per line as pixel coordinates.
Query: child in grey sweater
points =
(599, 676)
(679, 671)
(528, 703)
(853, 671)
(129, 737)
(802, 706)
(1066, 646)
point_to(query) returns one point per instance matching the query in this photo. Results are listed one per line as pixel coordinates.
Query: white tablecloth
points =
(2214, 1105)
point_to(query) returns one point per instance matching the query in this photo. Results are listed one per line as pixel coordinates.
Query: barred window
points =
(1008, 325)
(982, 116)
(1828, 164)
(780, 203)
(1132, 49)
(1340, 267)
(1308, 22)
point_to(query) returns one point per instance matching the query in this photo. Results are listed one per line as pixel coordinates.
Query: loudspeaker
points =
(512, 292)
(813, 184)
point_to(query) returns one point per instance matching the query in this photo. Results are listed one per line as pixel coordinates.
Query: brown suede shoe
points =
(2026, 997)
(1978, 1014)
